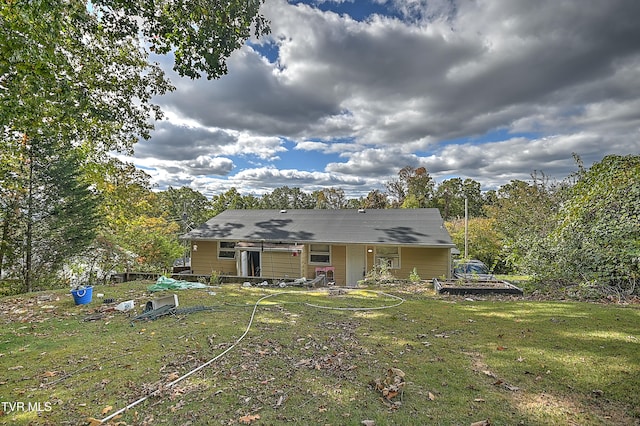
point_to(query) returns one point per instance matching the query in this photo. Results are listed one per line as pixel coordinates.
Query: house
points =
(343, 244)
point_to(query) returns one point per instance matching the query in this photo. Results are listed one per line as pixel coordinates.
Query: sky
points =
(344, 94)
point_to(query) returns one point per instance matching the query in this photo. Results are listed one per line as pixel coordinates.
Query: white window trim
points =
(311, 252)
(226, 250)
(378, 257)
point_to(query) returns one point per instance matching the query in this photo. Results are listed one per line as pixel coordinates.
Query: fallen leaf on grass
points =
(94, 422)
(280, 401)
(368, 423)
(431, 396)
(49, 374)
(178, 406)
(17, 367)
(106, 409)
(482, 423)
(249, 418)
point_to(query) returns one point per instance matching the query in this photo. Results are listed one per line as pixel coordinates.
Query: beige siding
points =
(429, 262)
(339, 261)
(205, 260)
(277, 264)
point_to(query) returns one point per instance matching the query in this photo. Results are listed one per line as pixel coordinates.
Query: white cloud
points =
(423, 88)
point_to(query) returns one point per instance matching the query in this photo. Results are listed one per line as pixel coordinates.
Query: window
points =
(388, 256)
(226, 250)
(320, 254)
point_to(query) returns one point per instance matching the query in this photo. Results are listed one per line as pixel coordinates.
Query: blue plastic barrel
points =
(82, 296)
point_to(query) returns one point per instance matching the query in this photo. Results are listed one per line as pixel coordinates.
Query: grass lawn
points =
(509, 360)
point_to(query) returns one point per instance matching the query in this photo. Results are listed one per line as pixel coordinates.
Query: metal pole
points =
(466, 225)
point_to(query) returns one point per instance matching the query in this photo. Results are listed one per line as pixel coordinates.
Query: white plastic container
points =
(125, 306)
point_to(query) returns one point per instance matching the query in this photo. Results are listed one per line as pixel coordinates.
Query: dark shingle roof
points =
(421, 227)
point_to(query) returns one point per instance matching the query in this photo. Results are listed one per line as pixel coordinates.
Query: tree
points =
(68, 94)
(138, 231)
(185, 206)
(484, 242)
(154, 243)
(598, 235)
(76, 77)
(525, 213)
(287, 198)
(473, 194)
(12, 163)
(330, 198)
(232, 199)
(52, 216)
(416, 183)
(375, 200)
(200, 34)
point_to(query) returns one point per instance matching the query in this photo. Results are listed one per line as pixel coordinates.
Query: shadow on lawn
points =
(582, 352)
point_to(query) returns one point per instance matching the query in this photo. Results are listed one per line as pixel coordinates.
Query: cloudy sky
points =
(344, 93)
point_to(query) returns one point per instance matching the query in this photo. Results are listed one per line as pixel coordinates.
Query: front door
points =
(355, 265)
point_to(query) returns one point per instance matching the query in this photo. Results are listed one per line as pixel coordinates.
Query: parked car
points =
(182, 265)
(182, 261)
(474, 270)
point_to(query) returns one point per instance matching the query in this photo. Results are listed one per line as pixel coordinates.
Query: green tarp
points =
(165, 283)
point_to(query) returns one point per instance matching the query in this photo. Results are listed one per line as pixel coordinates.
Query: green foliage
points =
(287, 198)
(154, 242)
(232, 199)
(484, 242)
(75, 77)
(598, 236)
(524, 214)
(413, 276)
(200, 34)
(379, 272)
(374, 200)
(330, 198)
(50, 213)
(215, 278)
(412, 189)
(411, 201)
(449, 198)
(186, 207)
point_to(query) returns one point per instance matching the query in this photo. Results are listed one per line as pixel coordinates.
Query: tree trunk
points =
(28, 259)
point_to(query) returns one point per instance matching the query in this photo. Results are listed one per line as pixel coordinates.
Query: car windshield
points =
(472, 268)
